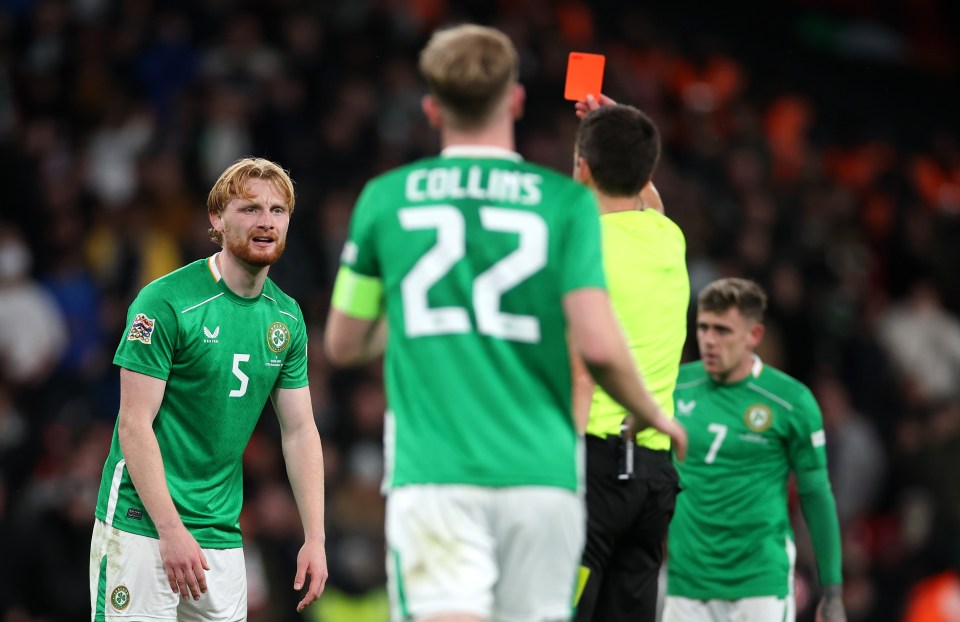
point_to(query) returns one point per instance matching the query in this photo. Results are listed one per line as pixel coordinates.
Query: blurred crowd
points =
(816, 155)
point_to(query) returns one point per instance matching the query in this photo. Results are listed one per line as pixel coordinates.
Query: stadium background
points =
(814, 148)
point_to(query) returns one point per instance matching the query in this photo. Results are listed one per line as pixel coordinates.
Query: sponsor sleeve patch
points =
(141, 329)
(818, 439)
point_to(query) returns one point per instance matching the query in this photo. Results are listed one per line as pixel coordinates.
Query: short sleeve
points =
(151, 335)
(807, 442)
(293, 375)
(359, 252)
(581, 260)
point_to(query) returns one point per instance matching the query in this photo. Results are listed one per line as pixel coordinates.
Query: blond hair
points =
(469, 69)
(233, 184)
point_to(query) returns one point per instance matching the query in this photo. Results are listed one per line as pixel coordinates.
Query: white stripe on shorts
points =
(114, 492)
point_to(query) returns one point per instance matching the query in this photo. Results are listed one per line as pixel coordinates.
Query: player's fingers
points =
(301, 576)
(201, 578)
(182, 584)
(193, 584)
(316, 588)
(203, 561)
(172, 578)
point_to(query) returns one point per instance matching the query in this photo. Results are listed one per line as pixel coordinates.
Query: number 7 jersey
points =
(221, 356)
(472, 253)
(730, 536)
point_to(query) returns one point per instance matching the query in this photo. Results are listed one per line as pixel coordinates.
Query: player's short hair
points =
(233, 183)
(747, 296)
(468, 69)
(622, 146)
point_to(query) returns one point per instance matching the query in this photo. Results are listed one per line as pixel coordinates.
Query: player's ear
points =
(215, 221)
(518, 96)
(755, 334)
(431, 109)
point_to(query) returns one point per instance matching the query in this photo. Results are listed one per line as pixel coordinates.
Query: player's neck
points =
(738, 373)
(242, 278)
(499, 133)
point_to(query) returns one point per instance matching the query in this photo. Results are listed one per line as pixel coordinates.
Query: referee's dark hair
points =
(622, 146)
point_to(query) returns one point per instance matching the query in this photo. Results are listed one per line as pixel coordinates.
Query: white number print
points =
(237, 359)
(488, 288)
(721, 432)
(421, 320)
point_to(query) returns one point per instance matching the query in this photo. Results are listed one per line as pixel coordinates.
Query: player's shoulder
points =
(182, 285)
(782, 386)
(283, 301)
(690, 375)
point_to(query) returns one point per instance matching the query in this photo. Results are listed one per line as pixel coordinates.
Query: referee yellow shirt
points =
(644, 255)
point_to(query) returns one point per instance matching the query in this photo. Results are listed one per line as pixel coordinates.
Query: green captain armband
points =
(358, 295)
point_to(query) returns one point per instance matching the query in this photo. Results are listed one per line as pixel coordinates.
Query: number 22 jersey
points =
(474, 251)
(221, 356)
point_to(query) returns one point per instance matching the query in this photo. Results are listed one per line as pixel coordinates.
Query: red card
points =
(584, 75)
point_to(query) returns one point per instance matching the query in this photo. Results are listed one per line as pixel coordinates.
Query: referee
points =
(631, 485)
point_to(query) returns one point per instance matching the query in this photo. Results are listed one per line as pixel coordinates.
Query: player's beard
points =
(239, 247)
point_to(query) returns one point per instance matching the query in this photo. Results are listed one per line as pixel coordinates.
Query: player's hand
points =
(311, 560)
(670, 427)
(830, 608)
(589, 104)
(184, 562)
(678, 439)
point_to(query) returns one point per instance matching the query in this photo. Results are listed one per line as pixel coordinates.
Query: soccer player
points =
(206, 346)
(730, 543)
(480, 263)
(644, 256)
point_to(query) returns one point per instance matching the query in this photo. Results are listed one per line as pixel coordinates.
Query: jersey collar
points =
(480, 151)
(757, 367)
(229, 293)
(214, 270)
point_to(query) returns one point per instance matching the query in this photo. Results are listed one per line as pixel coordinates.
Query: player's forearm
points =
(141, 453)
(583, 387)
(820, 513)
(303, 454)
(353, 341)
(597, 338)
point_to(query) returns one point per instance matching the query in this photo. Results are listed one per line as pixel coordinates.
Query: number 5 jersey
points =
(221, 356)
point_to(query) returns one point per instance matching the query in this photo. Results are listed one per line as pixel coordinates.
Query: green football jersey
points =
(644, 257)
(475, 250)
(221, 356)
(731, 537)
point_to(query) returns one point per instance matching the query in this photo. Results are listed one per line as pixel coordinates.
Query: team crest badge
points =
(758, 417)
(141, 329)
(120, 597)
(278, 337)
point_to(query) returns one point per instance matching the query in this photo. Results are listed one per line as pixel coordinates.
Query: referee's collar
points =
(480, 151)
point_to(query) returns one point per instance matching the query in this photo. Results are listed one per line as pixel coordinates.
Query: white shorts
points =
(758, 609)
(128, 582)
(503, 554)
